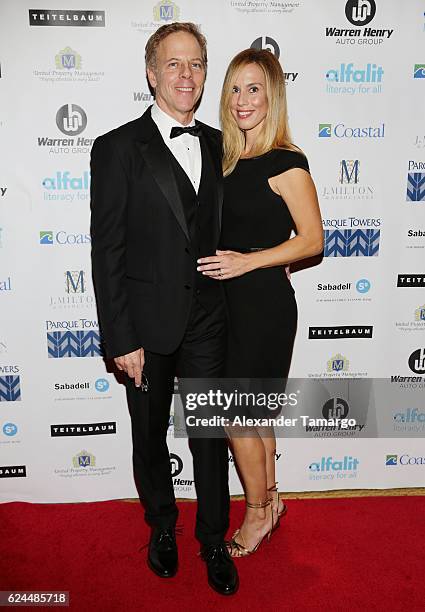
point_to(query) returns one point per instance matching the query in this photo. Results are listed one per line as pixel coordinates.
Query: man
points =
(156, 202)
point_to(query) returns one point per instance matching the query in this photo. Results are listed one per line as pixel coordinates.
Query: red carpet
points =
(335, 554)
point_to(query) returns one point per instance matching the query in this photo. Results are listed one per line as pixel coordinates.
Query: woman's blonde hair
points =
(275, 134)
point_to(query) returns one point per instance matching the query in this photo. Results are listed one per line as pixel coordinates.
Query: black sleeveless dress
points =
(261, 304)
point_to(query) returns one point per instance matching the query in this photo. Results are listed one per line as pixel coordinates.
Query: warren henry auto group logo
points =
(359, 14)
(71, 120)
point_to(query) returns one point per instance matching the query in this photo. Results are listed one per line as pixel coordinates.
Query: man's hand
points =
(132, 364)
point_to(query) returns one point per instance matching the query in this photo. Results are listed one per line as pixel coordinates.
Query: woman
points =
(268, 192)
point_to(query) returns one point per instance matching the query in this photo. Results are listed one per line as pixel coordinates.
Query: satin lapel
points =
(157, 159)
(212, 152)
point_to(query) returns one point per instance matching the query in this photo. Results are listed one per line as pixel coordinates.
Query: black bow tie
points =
(194, 130)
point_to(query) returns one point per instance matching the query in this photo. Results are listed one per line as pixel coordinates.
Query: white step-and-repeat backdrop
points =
(355, 75)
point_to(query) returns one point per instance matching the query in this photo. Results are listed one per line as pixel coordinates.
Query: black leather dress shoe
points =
(222, 573)
(162, 555)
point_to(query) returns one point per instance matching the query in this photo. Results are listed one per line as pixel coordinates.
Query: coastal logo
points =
(71, 119)
(166, 11)
(360, 12)
(10, 388)
(419, 71)
(62, 237)
(87, 18)
(340, 130)
(391, 459)
(84, 459)
(416, 361)
(405, 459)
(337, 363)
(346, 79)
(266, 43)
(67, 59)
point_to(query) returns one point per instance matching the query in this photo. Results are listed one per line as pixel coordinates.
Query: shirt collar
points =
(165, 122)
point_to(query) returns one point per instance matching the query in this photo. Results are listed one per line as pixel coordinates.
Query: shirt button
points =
(198, 291)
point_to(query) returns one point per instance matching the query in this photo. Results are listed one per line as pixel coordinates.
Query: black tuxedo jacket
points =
(142, 259)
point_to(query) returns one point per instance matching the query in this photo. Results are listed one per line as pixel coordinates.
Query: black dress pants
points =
(200, 355)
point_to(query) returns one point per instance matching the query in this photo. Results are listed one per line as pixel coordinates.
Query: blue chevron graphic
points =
(415, 187)
(352, 243)
(73, 344)
(10, 389)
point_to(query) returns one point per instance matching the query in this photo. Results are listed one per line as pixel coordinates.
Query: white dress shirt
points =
(185, 148)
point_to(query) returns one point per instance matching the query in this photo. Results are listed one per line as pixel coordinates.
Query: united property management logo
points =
(359, 13)
(416, 323)
(66, 188)
(419, 71)
(266, 43)
(352, 237)
(83, 429)
(68, 59)
(340, 130)
(66, 67)
(339, 332)
(13, 471)
(351, 186)
(166, 11)
(63, 238)
(348, 79)
(69, 339)
(84, 464)
(87, 18)
(10, 384)
(329, 468)
(338, 363)
(416, 182)
(84, 459)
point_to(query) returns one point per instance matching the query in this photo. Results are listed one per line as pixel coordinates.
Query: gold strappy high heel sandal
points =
(284, 510)
(239, 549)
